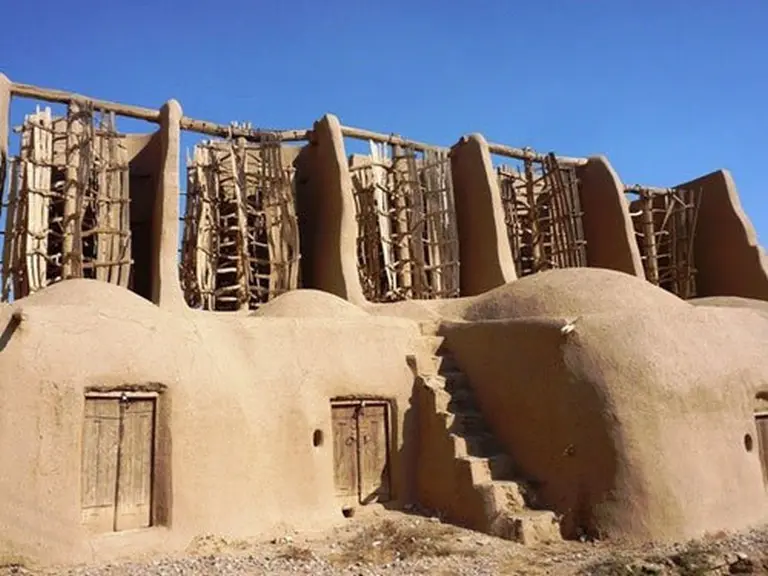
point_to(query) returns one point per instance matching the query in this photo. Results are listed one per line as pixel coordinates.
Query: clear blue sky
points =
(668, 90)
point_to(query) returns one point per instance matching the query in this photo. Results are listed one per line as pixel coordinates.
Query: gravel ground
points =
(392, 543)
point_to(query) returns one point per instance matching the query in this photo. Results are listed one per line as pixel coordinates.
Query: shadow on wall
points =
(13, 323)
(400, 472)
(144, 168)
(545, 412)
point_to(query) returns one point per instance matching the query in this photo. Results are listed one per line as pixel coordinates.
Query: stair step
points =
(447, 363)
(502, 496)
(486, 469)
(464, 423)
(527, 527)
(458, 402)
(455, 379)
(429, 327)
(441, 363)
(433, 343)
(475, 445)
(461, 400)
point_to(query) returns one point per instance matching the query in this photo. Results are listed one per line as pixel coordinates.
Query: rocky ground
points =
(399, 544)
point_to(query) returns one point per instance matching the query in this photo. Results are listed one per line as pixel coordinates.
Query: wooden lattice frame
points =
(407, 235)
(665, 227)
(240, 244)
(68, 203)
(543, 215)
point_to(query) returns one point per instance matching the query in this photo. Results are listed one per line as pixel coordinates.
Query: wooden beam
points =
(248, 134)
(153, 115)
(654, 190)
(391, 139)
(63, 97)
(528, 154)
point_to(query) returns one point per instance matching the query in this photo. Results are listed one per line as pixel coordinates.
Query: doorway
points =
(361, 451)
(761, 421)
(118, 461)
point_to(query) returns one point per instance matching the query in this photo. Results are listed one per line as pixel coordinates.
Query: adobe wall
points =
(633, 424)
(728, 259)
(484, 250)
(326, 214)
(144, 154)
(244, 396)
(607, 225)
(166, 286)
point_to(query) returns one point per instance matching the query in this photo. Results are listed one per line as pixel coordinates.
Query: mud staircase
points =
(484, 493)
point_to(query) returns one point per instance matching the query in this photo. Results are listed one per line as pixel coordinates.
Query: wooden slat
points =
(134, 496)
(99, 464)
(345, 464)
(374, 454)
(762, 442)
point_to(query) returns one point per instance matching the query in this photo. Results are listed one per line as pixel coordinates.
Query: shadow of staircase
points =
(486, 493)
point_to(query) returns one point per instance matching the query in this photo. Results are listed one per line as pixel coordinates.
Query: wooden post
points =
(399, 190)
(71, 256)
(649, 237)
(534, 216)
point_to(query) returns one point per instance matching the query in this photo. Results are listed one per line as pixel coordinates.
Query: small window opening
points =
(348, 512)
(317, 438)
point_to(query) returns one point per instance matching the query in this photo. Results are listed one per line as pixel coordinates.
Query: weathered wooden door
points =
(345, 469)
(761, 420)
(101, 437)
(361, 451)
(134, 484)
(118, 452)
(373, 448)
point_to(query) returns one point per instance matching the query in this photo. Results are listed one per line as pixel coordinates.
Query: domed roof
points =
(309, 304)
(87, 292)
(569, 292)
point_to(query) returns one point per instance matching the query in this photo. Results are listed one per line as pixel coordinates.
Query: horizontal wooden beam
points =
(391, 139)
(648, 189)
(224, 131)
(528, 154)
(152, 115)
(63, 97)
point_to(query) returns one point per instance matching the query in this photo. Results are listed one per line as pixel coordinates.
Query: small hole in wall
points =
(748, 442)
(317, 438)
(348, 512)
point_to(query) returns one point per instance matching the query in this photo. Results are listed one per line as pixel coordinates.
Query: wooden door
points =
(762, 441)
(118, 453)
(345, 468)
(373, 441)
(99, 473)
(134, 484)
